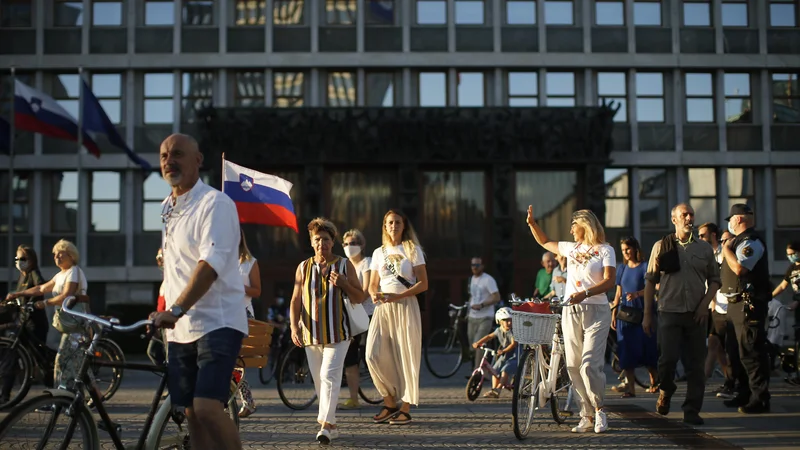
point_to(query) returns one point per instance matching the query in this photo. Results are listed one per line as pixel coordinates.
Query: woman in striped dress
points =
(318, 318)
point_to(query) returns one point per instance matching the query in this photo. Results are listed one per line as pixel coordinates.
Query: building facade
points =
(709, 95)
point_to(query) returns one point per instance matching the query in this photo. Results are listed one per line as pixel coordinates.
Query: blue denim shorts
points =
(508, 366)
(203, 368)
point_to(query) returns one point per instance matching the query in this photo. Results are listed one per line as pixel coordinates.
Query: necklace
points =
(687, 242)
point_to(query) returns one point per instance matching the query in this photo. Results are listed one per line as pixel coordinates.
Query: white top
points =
(585, 268)
(480, 289)
(203, 225)
(776, 318)
(72, 275)
(362, 267)
(403, 266)
(720, 301)
(244, 272)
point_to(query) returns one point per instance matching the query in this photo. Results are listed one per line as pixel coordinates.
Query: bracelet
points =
(586, 291)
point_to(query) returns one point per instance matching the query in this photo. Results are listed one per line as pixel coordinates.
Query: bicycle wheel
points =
(41, 422)
(444, 352)
(170, 430)
(16, 375)
(108, 379)
(366, 387)
(474, 386)
(561, 399)
(526, 390)
(295, 385)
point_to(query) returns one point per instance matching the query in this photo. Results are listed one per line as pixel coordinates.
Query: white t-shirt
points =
(244, 272)
(480, 289)
(402, 265)
(72, 275)
(362, 267)
(585, 268)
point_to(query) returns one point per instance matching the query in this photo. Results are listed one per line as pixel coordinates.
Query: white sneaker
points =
(600, 422)
(325, 436)
(584, 426)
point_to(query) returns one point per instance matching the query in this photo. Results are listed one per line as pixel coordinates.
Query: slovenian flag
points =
(260, 198)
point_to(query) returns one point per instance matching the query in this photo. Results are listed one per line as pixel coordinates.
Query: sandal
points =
(491, 394)
(397, 415)
(652, 389)
(627, 395)
(380, 418)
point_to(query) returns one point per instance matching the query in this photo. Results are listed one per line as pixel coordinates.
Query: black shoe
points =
(735, 402)
(693, 418)
(726, 393)
(755, 408)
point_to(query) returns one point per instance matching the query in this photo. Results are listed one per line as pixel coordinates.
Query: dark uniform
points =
(748, 298)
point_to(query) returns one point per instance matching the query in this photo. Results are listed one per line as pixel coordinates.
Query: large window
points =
(609, 12)
(380, 89)
(699, 97)
(105, 202)
(107, 13)
(523, 89)
(431, 12)
(250, 12)
(697, 13)
(288, 12)
(560, 89)
(342, 89)
(67, 13)
(432, 89)
(469, 12)
(340, 12)
(159, 12)
(647, 13)
(649, 97)
(158, 91)
(64, 214)
(288, 89)
(19, 209)
(453, 214)
(380, 12)
(787, 201)
(653, 189)
(553, 196)
(741, 188)
(154, 191)
(198, 12)
(65, 89)
(249, 89)
(617, 198)
(360, 200)
(107, 87)
(520, 12)
(612, 86)
(734, 13)
(785, 98)
(738, 104)
(558, 12)
(197, 93)
(470, 89)
(16, 14)
(783, 13)
(703, 194)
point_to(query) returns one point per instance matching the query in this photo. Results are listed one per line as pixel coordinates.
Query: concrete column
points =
(361, 85)
(718, 77)
(451, 26)
(177, 27)
(314, 93)
(499, 88)
(630, 28)
(313, 9)
(129, 118)
(176, 101)
(765, 112)
(716, 22)
(131, 20)
(633, 120)
(38, 79)
(766, 209)
(269, 89)
(39, 7)
(84, 206)
(407, 87)
(128, 199)
(496, 10)
(674, 21)
(269, 10)
(360, 24)
(678, 99)
(222, 90)
(540, 20)
(223, 9)
(36, 212)
(723, 195)
(542, 78)
(86, 26)
(762, 13)
(634, 205)
(589, 91)
(451, 84)
(406, 14)
(584, 11)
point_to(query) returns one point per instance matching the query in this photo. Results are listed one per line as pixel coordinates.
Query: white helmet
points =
(502, 314)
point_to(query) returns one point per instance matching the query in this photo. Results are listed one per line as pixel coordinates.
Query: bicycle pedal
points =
(102, 426)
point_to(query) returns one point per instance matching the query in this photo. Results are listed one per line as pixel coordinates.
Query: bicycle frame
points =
(39, 352)
(484, 365)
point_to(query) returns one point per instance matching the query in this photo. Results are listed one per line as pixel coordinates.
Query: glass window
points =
(105, 211)
(617, 198)
(560, 89)
(380, 12)
(65, 206)
(612, 86)
(250, 12)
(558, 12)
(787, 201)
(154, 191)
(647, 13)
(609, 12)
(783, 14)
(21, 192)
(432, 89)
(741, 188)
(470, 89)
(523, 89)
(159, 12)
(198, 12)
(158, 93)
(738, 104)
(380, 89)
(249, 90)
(67, 13)
(431, 12)
(469, 12)
(553, 196)
(106, 13)
(697, 14)
(360, 200)
(288, 12)
(453, 214)
(197, 94)
(65, 90)
(16, 14)
(340, 12)
(703, 194)
(785, 98)
(288, 89)
(699, 97)
(107, 87)
(653, 208)
(734, 13)
(520, 12)
(342, 89)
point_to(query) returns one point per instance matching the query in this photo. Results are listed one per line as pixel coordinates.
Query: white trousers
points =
(326, 363)
(585, 330)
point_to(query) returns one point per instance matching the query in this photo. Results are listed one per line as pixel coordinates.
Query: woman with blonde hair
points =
(591, 272)
(394, 340)
(251, 277)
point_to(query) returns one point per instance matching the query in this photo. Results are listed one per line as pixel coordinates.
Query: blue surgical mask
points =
(793, 258)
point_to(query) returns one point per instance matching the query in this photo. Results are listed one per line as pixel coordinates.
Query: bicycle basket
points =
(533, 328)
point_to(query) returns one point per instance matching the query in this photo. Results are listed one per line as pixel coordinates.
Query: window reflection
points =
(106, 13)
(787, 203)
(431, 12)
(380, 89)
(158, 92)
(558, 12)
(288, 89)
(65, 89)
(734, 14)
(154, 191)
(702, 194)
(647, 13)
(553, 197)
(16, 14)
(560, 89)
(649, 97)
(105, 202)
(197, 93)
(469, 12)
(340, 12)
(107, 87)
(342, 89)
(454, 214)
(67, 13)
(360, 200)
(785, 98)
(612, 86)
(520, 12)
(741, 187)
(64, 187)
(249, 89)
(653, 189)
(159, 12)
(380, 12)
(21, 197)
(432, 89)
(738, 106)
(697, 14)
(198, 12)
(617, 198)
(523, 89)
(470, 89)
(609, 13)
(699, 97)
(250, 12)
(288, 12)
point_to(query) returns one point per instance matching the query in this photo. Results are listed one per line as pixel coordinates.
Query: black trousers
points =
(681, 338)
(723, 329)
(753, 362)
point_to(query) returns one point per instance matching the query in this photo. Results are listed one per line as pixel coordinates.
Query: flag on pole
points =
(96, 122)
(37, 112)
(260, 198)
(5, 136)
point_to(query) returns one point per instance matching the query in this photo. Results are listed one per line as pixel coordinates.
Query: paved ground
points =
(445, 419)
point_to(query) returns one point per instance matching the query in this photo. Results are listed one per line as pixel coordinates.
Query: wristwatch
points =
(588, 294)
(177, 311)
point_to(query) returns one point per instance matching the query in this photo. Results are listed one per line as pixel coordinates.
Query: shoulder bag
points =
(402, 280)
(65, 322)
(627, 313)
(357, 317)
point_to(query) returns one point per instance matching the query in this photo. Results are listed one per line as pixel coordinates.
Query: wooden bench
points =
(255, 347)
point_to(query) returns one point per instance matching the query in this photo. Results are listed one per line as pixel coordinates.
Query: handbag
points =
(402, 280)
(627, 313)
(67, 323)
(357, 317)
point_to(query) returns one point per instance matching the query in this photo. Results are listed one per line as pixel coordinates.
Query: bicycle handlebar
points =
(103, 322)
(457, 308)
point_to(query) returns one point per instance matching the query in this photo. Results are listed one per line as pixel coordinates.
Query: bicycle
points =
(475, 383)
(25, 358)
(70, 401)
(541, 374)
(448, 348)
(294, 378)
(281, 340)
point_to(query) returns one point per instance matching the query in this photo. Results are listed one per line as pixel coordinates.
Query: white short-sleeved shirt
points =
(362, 267)
(481, 288)
(203, 225)
(585, 268)
(72, 275)
(244, 272)
(402, 265)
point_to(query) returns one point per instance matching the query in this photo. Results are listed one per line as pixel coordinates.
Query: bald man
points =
(545, 275)
(203, 295)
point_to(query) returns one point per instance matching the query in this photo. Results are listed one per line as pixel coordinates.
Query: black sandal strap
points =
(390, 411)
(398, 413)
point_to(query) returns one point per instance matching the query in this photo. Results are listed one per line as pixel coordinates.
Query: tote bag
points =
(356, 314)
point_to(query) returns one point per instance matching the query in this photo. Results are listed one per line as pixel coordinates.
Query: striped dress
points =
(323, 317)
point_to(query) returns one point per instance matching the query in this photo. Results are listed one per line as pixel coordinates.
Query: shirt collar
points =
(187, 197)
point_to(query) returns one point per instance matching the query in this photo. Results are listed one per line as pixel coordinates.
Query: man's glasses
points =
(475, 265)
(20, 259)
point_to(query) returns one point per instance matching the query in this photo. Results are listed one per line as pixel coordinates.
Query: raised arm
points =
(538, 234)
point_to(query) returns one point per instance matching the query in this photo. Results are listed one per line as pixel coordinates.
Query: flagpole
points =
(79, 239)
(11, 139)
(223, 173)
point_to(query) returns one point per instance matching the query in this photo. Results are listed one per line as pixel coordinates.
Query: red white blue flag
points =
(260, 198)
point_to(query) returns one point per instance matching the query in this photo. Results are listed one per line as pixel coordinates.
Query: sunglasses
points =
(475, 265)
(20, 259)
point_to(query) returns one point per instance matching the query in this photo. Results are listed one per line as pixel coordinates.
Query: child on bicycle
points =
(506, 359)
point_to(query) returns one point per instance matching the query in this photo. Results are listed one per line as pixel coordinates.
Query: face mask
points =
(730, 228)
(793, 258)
(352, 250)
(279, 301)
(22, 265)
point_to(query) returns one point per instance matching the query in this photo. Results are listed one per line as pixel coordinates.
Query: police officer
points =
(745, 282)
